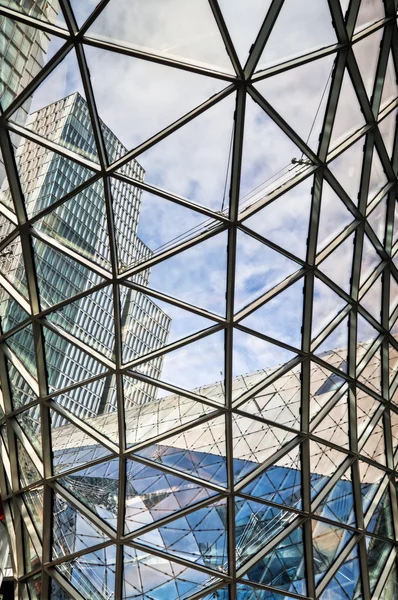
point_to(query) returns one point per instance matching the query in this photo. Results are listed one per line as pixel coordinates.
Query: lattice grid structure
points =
(199, 299)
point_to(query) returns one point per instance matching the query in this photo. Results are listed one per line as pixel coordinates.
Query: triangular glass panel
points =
(338, 265)
(59, 111)
(377, 219)
(159, 91)
(333, 349)
(68, 224)
(152, 494)
(378, 177)
(67, 364)
(370, 260)
(378, 552)
(50, 263)
(262, 166)
(94, 571)
(72, 447)
(339, 503)
(328, 541)
(381, 522)
(273, 569)
(203, 370)
(200, 536)
(372, 479)
(371, 301)
(81, 318)
(193, 37)
(72, 530)
(310, 80)
(366, 407)
(387, 128)
(255, 359)
(169, 324)
(147, 416)
(347, 168)
(200, 451)
(326, 306)
(235, 14)
(161, 224)
(390, 591)
(279, 401)
(96, 486)
(255, 442)
(265, 319)
(366, 52)
(366, 334)
(256, 525)
(348, 117)
(13, 267)
(300, 29)
(83, 10)
(11, 312)
(335, 425)
(21, 392)
(26, 49)
(323, 386)
(146, 575)
(374, 447)
(23, 346)
(390, 88)
(324, 462)
(95, 398)
(280, 483)
(370, 11)
(28, 474)
(285, 221)
(347, 581)
(33, 500)
(31, 427)
(176, 165)
(196, 276)
(334, 216)
(258, 269)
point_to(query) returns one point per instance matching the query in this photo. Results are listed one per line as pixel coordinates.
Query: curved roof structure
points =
(199, 299)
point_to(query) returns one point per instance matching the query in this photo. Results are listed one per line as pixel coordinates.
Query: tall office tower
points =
(81, 224)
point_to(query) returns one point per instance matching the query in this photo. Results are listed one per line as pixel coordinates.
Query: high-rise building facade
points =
(81, 224)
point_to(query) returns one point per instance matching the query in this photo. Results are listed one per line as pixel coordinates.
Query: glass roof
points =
(199, 299)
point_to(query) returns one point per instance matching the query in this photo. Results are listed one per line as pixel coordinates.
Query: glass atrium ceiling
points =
(199, 299)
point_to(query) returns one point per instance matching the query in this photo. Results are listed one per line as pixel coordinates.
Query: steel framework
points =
(372, 232)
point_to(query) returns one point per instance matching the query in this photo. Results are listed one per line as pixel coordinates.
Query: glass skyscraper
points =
(45, 177)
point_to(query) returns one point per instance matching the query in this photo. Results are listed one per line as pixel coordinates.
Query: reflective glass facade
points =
(199, 299)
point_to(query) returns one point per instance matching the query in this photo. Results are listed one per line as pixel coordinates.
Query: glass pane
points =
(302, 28)
(137, 113)
(193, 37)
(96, 487)
(152, 494)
